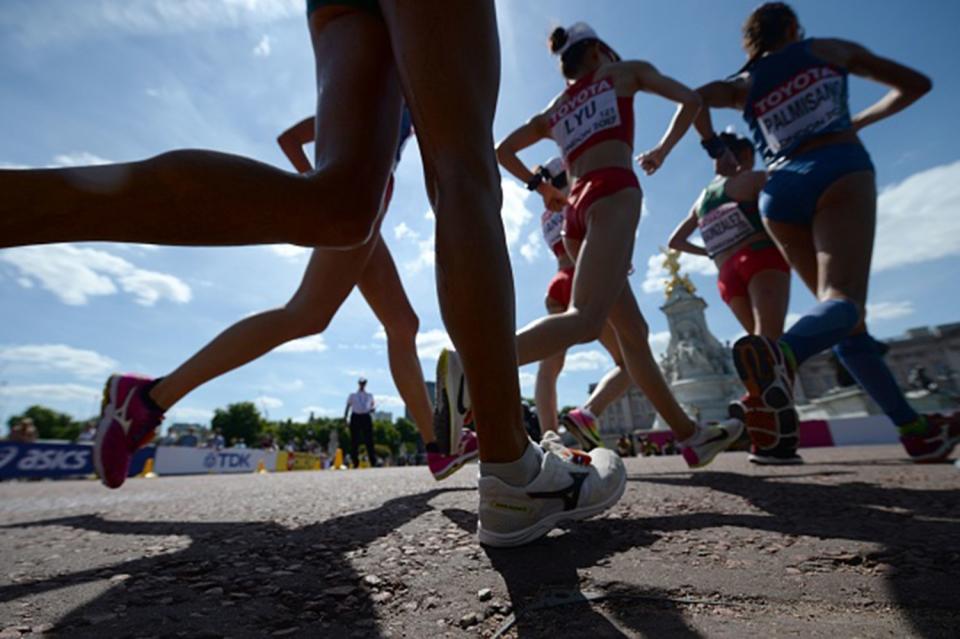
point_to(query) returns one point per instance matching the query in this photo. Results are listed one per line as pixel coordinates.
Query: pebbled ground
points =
(856, 543)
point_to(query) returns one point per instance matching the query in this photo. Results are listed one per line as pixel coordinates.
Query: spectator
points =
(189, 439)
(23, 431)
(360, 405)
(89, 432)
(236, 442)
(623, 446)
(216, 441)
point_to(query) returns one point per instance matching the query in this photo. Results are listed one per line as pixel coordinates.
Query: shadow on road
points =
(237, 579)
(918, 530)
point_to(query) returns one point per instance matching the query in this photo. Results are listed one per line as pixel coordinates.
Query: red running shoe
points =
(943, 434)
(126, 424)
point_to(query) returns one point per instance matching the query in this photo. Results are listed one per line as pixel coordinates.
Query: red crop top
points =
(590, 113)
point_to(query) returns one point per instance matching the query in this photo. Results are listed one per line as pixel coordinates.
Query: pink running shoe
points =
(442, 466)
(943, 434)
(583, 427)
(126, 423)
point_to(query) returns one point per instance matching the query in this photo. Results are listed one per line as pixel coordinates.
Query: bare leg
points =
(600, 276)
(449, 62)
(381, 287)
(633, 334)
(743, 311)
(616, 382)
(769, 297)
(328, 279)
(204, 197)
(545, 391)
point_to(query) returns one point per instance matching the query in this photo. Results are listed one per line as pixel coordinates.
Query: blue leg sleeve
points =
(825, 325)
(860, 355)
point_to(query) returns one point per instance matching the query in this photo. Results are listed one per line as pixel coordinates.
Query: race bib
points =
(806, 104)
(724, 227)
(552, 224)
(588, 111)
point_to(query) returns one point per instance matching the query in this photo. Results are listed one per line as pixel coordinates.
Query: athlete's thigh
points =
(605, 253)
(448, 56)
(381, 286)
(843, 231)
(740, 306)
(796, 243)
(769, 297)
(358, 94)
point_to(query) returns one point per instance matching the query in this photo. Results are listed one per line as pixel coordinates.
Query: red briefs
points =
(561, 286)
(589, 188)
(739, 269)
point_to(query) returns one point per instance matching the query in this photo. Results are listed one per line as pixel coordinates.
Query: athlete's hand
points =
(727, 164)
(652, 159)
(553, 198)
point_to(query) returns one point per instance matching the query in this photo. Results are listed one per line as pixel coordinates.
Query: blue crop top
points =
(794, 96)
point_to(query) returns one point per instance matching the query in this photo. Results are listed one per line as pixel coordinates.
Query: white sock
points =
(519, 472)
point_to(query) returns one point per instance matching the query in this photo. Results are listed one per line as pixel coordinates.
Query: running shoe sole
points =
(106, 418)
(448, 426)
(548, 523)
(756, 364)
(694, 461)
(770, 460)
(455, 465)
(586, 442)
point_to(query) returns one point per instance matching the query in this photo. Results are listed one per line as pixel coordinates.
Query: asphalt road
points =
(857, 543)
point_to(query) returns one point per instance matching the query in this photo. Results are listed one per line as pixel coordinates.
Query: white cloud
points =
(189, 415)
(657, 276)
(514, 212)
(309, 344)
(659, 342)
(917, 219)
(57, 357)
(51, 392)
(402, 231)
(430, 343)
(42, 23)
(381, 334)
(78, 158)
(586, 361)
(75, 274)
(262, 50)
(531, 248)
(527, 382)
(388, 401)
(889, 310)
(267, 402)
(285, 386)
(320, 411)
(289, 251)
(426, 256)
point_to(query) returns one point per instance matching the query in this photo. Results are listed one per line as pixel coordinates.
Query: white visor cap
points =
(577, 32)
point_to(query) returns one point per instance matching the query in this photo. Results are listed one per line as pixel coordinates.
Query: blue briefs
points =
(794, 185)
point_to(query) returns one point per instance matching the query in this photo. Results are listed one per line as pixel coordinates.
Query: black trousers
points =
(361, 429)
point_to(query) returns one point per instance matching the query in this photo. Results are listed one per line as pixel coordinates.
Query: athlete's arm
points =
(292, 141)
(533, 131)
(650, 80)
(346, 411)
(906, 85)
(680, 238)
(722, 94)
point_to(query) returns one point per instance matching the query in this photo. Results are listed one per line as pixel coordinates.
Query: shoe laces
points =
(551, 443)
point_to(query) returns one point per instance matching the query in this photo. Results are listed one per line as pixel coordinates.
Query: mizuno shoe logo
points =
(570, 495)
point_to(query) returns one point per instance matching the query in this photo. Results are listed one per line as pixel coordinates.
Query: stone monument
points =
(698, 368)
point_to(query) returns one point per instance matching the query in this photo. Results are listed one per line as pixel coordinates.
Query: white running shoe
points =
(452, 406)
(710, 439)
(571, 485)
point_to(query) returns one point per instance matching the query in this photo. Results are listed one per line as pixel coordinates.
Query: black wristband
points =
(714, 146)
(534, 182)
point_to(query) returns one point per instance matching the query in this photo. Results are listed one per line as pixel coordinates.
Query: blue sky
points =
(125, 79)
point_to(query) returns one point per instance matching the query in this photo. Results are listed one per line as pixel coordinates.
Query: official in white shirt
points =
(360, 407)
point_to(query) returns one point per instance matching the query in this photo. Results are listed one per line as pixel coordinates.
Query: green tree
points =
(50, 424)
(408, 431)
(386, 434)
(241, 420)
